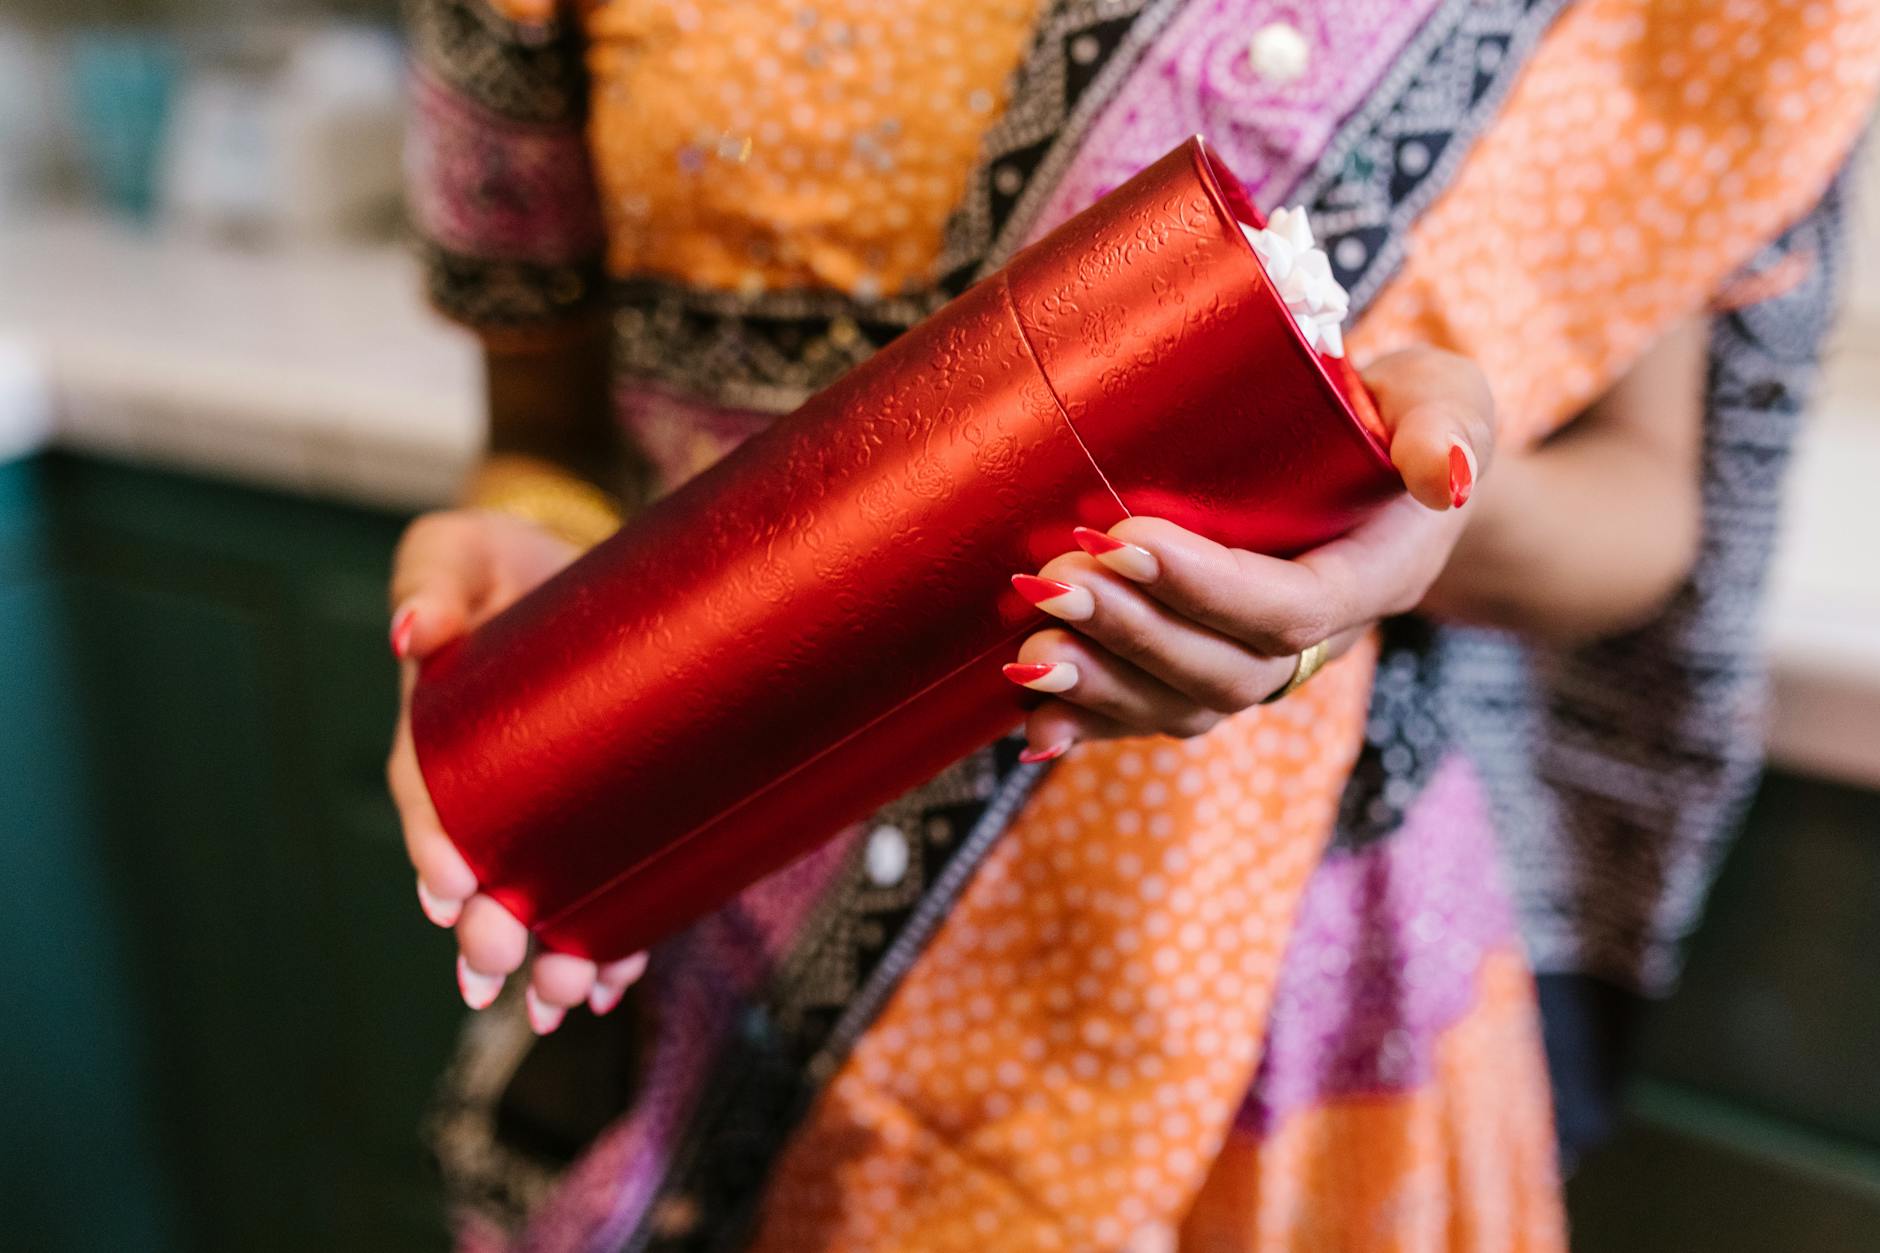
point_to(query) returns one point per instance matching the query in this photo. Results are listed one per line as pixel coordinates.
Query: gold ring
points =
(1309, 663)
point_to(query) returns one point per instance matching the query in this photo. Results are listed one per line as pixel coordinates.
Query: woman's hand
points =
(1173, 632)
(453, 570)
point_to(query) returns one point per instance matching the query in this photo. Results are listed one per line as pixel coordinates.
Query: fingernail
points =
(443, 913)
(479, 990)
(543, 1017)
(1060, 600)
(614, 982)
(401, 633)
(1129, 560)
(1461, 474)
(603, 999)
(1047, 676)
(1052, 753)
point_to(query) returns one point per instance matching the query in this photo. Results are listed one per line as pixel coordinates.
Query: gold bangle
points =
(543, 493)
(1307, 664)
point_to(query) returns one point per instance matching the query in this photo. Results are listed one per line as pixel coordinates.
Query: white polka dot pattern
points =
(1059, 1070)
(792, 145)
(1649, 149)
(1060, 1065)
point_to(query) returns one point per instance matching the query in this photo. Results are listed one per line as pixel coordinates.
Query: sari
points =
(1271, 987)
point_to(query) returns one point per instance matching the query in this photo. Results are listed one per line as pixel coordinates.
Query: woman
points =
(1257, 983)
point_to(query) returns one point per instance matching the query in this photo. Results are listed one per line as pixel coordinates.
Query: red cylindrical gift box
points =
(817, 623)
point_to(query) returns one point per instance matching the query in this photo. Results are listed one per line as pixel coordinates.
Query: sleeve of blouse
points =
(499, 180)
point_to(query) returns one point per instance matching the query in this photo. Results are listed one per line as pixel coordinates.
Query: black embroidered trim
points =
(771, 351)
(1405, 736)
(819, 1004)
(529, 73)
(497, 295)
(1080, 58)
(1399, 152)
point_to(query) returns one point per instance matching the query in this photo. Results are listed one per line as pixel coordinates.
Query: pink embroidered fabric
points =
(494, 187)
(1199, 78)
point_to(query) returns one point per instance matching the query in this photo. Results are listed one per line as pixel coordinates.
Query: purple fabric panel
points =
(494, 188)
(701, 981)
(1384, 956)
(1198, 79)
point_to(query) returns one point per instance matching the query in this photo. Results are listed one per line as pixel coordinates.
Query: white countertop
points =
(1824, 604)
(320, 371)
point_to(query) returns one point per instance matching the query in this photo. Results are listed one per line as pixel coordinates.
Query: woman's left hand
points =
(1171, 632)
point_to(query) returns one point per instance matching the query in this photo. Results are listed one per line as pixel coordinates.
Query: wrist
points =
(539, 491)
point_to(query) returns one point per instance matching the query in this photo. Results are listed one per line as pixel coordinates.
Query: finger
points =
(440, 573)
(562, 980)
(1172, 640)
(479, 990)
(613, 981)
(491, 940)
(445, 879)
(1441, 418)
(1055, 727)
(1272, 607)
(441, 910)
(1107, 685)
(543, 1017)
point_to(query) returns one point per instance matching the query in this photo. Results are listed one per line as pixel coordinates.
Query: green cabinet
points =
(1755, 1123)
(228, 985)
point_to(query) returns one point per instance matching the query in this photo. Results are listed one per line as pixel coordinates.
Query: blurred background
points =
(220, 398)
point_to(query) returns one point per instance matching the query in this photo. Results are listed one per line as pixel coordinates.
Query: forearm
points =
(1572, 542)
(554, 456)
(551, 400)
(1592, 532)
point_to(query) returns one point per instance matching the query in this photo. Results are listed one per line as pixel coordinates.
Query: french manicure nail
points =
(442, 913)
(1461, 474)
(603, 999)
(1060, 600)
(1043, 676)
(1052, 753)
(479, 990)
(1132, 561)
(401, 632)
(543, 1017)
(613, 983)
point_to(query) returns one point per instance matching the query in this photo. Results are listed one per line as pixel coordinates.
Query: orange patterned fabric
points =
(1061, 1066)
(798, 146)
(1060, 1069)
(528, 12)
(1649, 149)
(1464, 1164)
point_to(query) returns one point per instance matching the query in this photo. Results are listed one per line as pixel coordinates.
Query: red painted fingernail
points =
(1095, 542)
(1461, 475)
(1132, 561)
(1052, 753)
(1047, 676)
(401, 632)
(1063, 600)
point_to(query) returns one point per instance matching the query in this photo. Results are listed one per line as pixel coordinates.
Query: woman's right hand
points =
(454, 570)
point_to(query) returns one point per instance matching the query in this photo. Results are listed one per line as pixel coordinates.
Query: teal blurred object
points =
(224, 1013)
(122, 82)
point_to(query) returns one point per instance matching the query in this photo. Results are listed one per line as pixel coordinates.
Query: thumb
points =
(440, 573)
(1441, 419)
